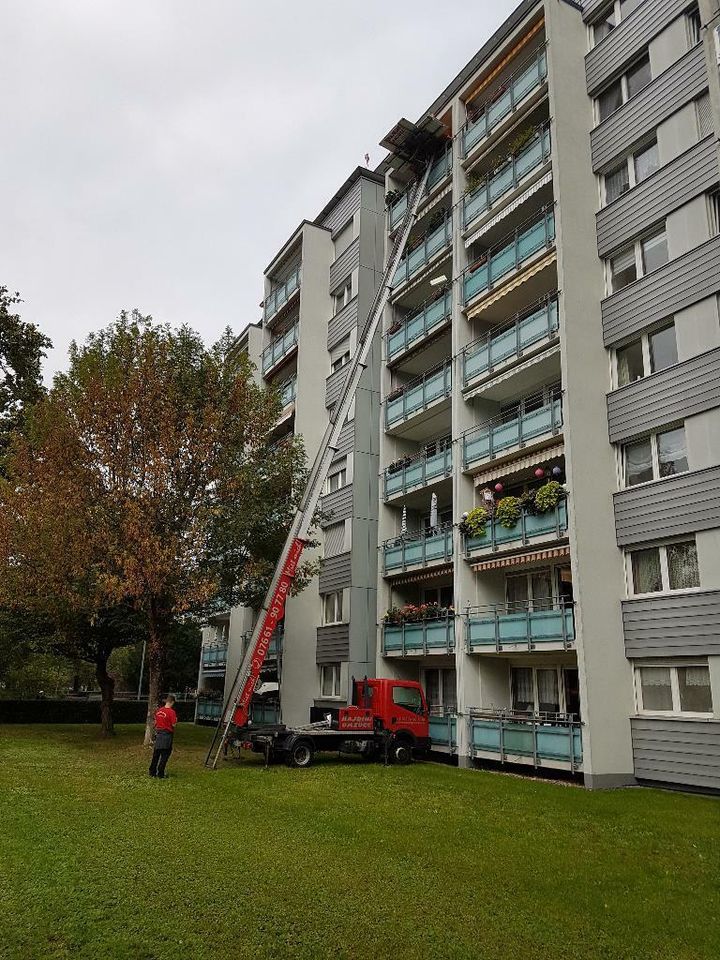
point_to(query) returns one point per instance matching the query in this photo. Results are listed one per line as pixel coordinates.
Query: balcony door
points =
(534, 588)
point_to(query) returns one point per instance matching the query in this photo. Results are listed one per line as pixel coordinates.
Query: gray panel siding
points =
(591, 7)
(342, 323)
(348, 261)
(632, 35)
(334, 573)
(682, 752)
(341, 213)
(346, 440)
(333, 643)
(679, 284)
(681, 391)
(688, 176)
(677, 625)
(683, 504)
(675, 87)
(338, 504)
(333, 385)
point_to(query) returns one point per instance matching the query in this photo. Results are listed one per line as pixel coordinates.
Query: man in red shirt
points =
(165, 720)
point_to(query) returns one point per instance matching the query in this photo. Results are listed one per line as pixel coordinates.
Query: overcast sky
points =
(157, 153)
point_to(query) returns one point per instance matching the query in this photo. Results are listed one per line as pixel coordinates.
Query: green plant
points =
(475, 523)
(548, 496)
(520, 139)
(507, 511)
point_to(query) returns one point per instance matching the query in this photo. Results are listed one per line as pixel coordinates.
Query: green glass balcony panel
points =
(288, 391)
(507, 177)
(214, 657)
(279, 348)
(419, 473)
(443, 731)
(432, 387)
(265, 713)
(418, 551)
(486, 443)
(419, 326)
(279, 295)
(500, 262)
(511, 342)
(529, 527)
(209, 709)
(488, 630)
(441, 167)
(416, 637)
(398, 210)
(433, 242)
(548, 741)
(524, 82)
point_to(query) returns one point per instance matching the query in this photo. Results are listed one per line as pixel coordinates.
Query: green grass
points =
(344, 860)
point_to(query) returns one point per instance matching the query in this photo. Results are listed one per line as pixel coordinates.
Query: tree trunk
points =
(107, 689)
(156, 665)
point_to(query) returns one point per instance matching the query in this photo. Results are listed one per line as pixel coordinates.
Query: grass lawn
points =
(344, 860)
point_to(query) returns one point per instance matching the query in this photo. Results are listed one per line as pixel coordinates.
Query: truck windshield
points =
(409, 698)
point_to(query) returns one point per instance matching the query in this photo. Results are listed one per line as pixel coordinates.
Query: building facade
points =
(548, 432)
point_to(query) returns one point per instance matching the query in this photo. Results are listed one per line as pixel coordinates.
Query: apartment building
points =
(317, 288)
(550, 447)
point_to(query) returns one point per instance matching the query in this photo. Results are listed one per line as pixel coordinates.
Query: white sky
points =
(157, 153)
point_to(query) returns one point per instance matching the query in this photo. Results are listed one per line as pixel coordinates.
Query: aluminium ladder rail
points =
(236, 708)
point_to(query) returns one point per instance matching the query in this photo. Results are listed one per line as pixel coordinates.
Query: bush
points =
(82, 711)
(475, 523)
(548, 496)
(507, 512)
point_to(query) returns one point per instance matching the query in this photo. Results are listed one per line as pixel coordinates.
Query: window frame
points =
(623, 81)
(666, 589)
(335, 681)
(637, 247)
(336, 600)
(342, 296)
(644, 341)
(339, 362)
(341, 474)
(673, 666)
(655, 456)
(559, 669)
(443, 677)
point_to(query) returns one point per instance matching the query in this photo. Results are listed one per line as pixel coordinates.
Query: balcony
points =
(417, 472)
(280, 348)
(417, 328)
(288, 391)
(508, 257)
(512, 627)
(506, 178)
(424, 637)
(536, 419)
(411, 551)
(432, 243)
(261, 713)
(506, 345)
(441, 168)
(419, 395)
(209, 709)
(214, 656)
(280, 295)
(539, 739)
(531, 529)
(443, 732)
(525, 81)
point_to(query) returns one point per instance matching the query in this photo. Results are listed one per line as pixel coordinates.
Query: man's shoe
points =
(152, 775)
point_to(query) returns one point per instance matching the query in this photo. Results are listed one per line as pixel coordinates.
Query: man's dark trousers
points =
(161, 753)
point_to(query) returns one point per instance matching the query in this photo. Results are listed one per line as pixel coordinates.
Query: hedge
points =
(82, 711)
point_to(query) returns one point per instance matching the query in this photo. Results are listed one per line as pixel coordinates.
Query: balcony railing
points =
(529, 626)
(418, 472)
(512, 736)
(208, 709)
(265, 712)
(419, 394)
(497, 436)
(399, 208)
(443, 731)
(214, 657)
(508, 256)
(507, 343)
(419, 326)
(507, 177)
(431, 243)
(424, 549)
(441, 168)
(425, 636)
(506, 100)
(279, 348)
(288, 391)
(530, 527)
(280, 295)
(274, 647)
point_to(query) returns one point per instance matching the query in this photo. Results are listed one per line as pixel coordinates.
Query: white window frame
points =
(629, 163)
(676, 711)
(713, 202)
(557, 667)
(624, 87)
(335, 670)
(440, 671)
(644, 339)
(342, 296)
(637, 247)
(339, 362)
(338, 478)
(336, 602)
(664, 570)
(694, 33)
(655, 454)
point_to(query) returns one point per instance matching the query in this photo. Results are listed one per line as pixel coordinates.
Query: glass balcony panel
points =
(440, 168)
(434, 241)
(288, 391)
(419, 395)
(443, 731)
(418, 472)
(398, 210)
(528, 527)
(418, 550)
(548, 741)
(487, 629)
(281, 294)
(414, 637)
(279, 348)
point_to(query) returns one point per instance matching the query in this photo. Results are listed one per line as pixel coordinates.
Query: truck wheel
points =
(402, 752)
(300, 754)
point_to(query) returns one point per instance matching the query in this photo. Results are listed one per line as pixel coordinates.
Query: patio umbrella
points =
(403, 521)
(433, 511)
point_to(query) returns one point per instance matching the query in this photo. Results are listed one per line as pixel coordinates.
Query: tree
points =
(148, 478)
(181, 667)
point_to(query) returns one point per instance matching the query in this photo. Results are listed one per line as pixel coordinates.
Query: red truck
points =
(387, 718)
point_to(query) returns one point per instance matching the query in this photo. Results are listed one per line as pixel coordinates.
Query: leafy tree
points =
(181, 667)
(148, 478)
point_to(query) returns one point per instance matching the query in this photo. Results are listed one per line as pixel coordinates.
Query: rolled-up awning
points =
(520, 559)
(506, 288)
(514, 467)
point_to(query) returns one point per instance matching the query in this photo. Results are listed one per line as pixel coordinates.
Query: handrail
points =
(280, 294)
(443, 371)
(427, 245)
(428, 317)
(398, 478)
(416, 535)
(511, 607)
(527, 623)
(551, 395)
(557, 524)
(279, 347)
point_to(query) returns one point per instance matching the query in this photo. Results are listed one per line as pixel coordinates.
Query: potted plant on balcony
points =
(474, 523)
(507, 511)
(548, 496)
(392, 196)
(394, 394)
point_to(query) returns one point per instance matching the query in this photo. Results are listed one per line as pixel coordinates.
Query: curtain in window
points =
(671, 452)
(548, 699)
(694, 689)
(449, 691)
(646, 571)
(638, 462)
(656, 689)
(522, 685)
(683, 571)
(334, 539)
(432, 689)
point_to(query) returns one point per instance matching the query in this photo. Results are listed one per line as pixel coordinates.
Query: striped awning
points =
(518, 560)
(514, 467)
(420, 575)
(513, 284)
(509, 209)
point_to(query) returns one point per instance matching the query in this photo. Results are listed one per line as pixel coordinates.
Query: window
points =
(442, 596)
(441, 690)
(340, 361)
(330, 680)
(655, 457)
(662, 347)
(672, 566)
(646, 161)
(342, 297)
(674, 688)
(630, 365)
(605, 26)
(334, 539)
(541, 690)
(610, 100)
(714, 212)
(617, 182)
(645, 255)
(532, 591)
(638, 76)
(703, 112)
(635, 79)
(333, 608)
(694, 25)
(338, 478)
(653, 352)
(408, 698)
(635, 168)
